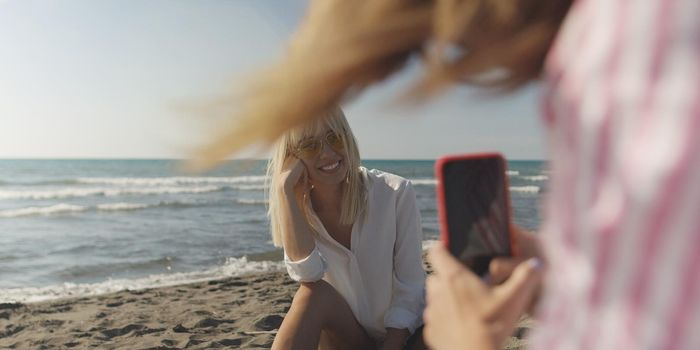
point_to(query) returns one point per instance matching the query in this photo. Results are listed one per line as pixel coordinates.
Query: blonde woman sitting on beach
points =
(351, 236)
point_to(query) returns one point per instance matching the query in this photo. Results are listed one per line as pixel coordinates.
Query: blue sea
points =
(86, 227)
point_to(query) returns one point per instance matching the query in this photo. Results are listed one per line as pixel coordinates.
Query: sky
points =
(122, 79)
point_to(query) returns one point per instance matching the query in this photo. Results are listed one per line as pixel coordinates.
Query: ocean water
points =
(85, 227)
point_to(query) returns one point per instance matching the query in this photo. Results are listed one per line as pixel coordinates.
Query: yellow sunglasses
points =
(312, 147)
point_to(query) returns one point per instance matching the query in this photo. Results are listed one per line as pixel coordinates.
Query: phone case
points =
(440, 189)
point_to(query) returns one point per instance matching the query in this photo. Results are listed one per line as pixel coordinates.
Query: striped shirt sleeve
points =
(622, 224)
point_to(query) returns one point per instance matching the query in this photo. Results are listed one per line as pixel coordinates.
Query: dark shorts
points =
(415, 341)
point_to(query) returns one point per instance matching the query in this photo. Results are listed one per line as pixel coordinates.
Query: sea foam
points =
(64, 208)
(251, 201)
(232, 268)
(122, 206)
(536, 178)
(61, 208)
(424, 182)
(169, 181)
(107, 192)
(526, 189)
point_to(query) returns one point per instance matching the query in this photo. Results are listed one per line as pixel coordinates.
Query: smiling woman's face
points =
(329, 165)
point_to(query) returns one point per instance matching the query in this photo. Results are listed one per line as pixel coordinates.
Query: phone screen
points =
(476, 210)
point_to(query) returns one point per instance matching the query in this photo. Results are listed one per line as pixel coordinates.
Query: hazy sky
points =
(113, 79)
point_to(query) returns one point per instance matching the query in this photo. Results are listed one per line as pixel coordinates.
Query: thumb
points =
(516, 293)
(500, 269)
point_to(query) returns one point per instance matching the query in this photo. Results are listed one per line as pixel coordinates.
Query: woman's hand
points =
(527, 246)
(294, 179)
(463, 311)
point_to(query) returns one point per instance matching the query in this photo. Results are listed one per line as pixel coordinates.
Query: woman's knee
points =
(318, 293)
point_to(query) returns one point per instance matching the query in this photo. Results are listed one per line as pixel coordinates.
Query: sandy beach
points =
(237, 312)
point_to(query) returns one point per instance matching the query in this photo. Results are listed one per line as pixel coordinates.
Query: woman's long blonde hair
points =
(343, 46)
(354, 199)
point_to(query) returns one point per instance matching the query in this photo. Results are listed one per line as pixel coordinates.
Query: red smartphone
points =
(474, 208)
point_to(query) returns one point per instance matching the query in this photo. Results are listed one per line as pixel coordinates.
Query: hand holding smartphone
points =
(474, 208)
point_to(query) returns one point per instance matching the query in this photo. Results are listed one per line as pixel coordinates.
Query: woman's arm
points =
(297, 239)
(304, 263)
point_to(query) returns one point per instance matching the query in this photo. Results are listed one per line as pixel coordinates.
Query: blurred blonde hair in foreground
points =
(343, 46)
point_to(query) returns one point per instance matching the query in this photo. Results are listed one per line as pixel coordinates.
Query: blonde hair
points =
(343, 46)
(354, 200)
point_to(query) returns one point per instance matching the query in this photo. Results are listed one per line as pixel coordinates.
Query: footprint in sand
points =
(283, 300)
(11, 330)
(52, 323)
(234, 302)
(211, 322)
(194, 340)
(180, 329)
(168, 342)
(235, 284)
(269, 322)
(225, 342)
(203, 313)
(138, 330)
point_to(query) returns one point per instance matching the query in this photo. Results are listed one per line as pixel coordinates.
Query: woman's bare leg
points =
(317, 307)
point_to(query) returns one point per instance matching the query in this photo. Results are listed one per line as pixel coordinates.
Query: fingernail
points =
(535, 263)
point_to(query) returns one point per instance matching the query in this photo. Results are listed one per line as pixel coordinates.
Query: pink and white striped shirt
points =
(622, 220)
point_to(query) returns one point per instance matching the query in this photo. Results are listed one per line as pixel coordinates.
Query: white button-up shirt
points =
(381, 277)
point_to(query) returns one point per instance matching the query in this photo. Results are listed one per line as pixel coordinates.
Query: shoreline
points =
(233, 312)
(255, 263)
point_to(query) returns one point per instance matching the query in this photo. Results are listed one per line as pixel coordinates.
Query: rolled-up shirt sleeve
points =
(308, 269)
(408, 295)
